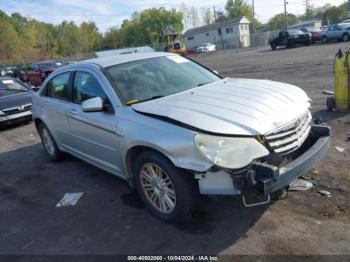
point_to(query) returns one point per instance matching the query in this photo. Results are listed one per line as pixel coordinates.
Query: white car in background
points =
(206, 48)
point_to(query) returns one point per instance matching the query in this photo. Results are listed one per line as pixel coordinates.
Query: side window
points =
(85, 87)
(35, 67)
(59, 87)
(45, 91)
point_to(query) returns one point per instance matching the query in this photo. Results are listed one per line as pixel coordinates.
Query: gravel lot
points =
(110, 218)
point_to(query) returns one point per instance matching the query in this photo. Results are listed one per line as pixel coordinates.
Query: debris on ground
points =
(305, 177)
(69, 199)
(28, 245)
(300, 185)
(325, 193)
(326, 92)
(339, 149)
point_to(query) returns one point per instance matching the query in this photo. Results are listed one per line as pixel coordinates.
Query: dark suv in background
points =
(37, 72)
(290, 39)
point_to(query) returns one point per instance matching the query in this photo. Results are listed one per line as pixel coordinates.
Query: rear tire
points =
(273, 46)
(49, 143)
(330, 104)
(345, 37)
(168, 192)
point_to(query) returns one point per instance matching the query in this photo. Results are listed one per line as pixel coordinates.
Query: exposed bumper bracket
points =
(318, 144)
(257, 203)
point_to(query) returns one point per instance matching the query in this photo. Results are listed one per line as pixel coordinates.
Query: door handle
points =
(46, 103)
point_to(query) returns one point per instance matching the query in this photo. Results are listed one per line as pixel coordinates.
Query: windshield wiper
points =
(135, 101)
(203, 84)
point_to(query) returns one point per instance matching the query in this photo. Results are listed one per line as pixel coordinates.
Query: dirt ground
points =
(110, 219)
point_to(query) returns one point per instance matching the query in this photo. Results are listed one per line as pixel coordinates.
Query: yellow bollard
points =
(341, 81)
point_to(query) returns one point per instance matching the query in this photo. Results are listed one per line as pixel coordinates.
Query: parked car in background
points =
(10, 71)
(2, 70)
(290, 38)
(314, 32)
(36, 73)
(206, 48)
(15, 101)
(336, 32)
(174, 129)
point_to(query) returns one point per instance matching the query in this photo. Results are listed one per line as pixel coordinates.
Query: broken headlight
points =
(229, 152)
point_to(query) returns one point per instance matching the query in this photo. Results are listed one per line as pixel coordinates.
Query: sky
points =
(107, 13)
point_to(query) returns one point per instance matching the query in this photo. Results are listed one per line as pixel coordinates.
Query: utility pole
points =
(285, 14)
(214, 14)
(253, 14)
(307, 9)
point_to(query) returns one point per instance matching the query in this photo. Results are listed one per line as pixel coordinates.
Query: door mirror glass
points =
(92, 105)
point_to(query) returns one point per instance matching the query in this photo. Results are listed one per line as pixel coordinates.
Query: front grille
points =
(291, 137)
(17, 110)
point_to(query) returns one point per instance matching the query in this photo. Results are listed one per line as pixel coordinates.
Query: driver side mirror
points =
(92, 105)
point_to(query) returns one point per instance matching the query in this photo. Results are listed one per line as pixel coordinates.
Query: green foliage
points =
(25, 40)
(238, 8)
(277, 22)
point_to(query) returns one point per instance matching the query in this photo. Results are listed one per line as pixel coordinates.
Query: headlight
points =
(2, 113)
(229, 152)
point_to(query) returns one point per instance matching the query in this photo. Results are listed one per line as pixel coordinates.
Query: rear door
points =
(55, 101)
(93, 134)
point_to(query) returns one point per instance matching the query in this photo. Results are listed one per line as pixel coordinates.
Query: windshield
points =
(9, 86)
(312, 29)
(295, 32)
(152, 78)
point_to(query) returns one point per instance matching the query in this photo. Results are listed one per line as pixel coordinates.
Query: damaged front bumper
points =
(267, 178)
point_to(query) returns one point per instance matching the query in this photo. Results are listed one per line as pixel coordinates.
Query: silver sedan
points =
(174, 129)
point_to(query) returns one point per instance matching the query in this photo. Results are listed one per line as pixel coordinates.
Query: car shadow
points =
(326, 116)
(13, 126)
(108, 219)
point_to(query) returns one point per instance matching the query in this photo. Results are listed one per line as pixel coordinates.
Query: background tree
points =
(207, 16)
(9, 42)
(238, 8)
(277, 22)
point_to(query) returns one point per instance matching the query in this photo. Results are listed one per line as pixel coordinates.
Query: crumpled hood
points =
(233, 106)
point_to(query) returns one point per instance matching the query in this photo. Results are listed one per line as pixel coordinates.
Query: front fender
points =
(173, 141)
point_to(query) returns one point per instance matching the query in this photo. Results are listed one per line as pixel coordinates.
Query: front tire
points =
(324, 40)
(168, 192)
(49, 143)
(345, 37)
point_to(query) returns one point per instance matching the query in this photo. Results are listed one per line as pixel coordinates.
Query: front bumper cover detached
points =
(269, 178)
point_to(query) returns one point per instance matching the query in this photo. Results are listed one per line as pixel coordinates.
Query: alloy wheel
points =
(158, 188)
(47, 141)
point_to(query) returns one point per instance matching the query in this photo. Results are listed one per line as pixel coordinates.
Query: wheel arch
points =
(37, 122)
(134, 152)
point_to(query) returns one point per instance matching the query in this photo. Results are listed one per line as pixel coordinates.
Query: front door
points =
(93, 134)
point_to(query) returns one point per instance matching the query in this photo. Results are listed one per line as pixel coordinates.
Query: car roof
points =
(45, 62)
(120, 59)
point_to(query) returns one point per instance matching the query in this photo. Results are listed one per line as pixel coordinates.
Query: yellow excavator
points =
(173, 43)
